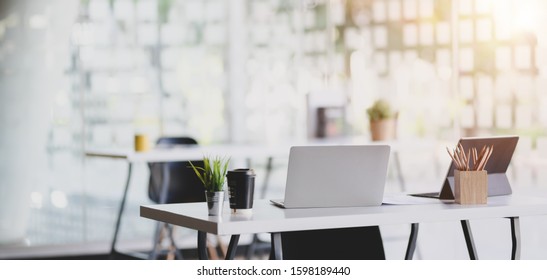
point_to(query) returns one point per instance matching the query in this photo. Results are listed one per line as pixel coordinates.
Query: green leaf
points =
(380, 110)
(213, 172)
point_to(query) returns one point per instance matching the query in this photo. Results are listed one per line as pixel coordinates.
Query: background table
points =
(182, 153)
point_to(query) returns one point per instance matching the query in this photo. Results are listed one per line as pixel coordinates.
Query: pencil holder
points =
(471, 187)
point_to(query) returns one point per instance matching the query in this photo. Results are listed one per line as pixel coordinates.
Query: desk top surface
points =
(191, 152)
(183, 153)
(266, 217)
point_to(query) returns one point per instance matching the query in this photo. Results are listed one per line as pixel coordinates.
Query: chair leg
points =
(213, 246)
(160, 227)
(251, 251)
(157, 241)
(165, 230)
(252, 247)
(213, 254)
(173, 249)
(223, 247)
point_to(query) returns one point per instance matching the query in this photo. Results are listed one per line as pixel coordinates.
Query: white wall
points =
(31, 74)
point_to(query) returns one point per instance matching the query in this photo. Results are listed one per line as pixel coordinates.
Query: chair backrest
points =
(360, 243)
(184, 186)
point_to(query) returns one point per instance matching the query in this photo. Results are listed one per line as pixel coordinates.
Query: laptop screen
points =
(336, 176)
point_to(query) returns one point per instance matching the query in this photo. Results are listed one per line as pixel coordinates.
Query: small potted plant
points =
(213, 175)
(383, 121)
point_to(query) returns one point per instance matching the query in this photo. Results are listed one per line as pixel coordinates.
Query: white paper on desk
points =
(406, 199)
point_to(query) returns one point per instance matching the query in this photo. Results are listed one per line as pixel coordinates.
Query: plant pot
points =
(383, 130)
(215, 202)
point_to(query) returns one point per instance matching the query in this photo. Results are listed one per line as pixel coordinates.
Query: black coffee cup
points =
(241, 185)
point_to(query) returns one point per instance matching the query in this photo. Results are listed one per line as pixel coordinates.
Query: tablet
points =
(497, 165)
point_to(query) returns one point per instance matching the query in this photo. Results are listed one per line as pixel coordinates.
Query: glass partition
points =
(93, 73)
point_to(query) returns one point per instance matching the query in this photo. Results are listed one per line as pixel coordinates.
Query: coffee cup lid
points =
(245, 171)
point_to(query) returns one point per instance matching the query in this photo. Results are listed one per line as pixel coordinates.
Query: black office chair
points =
(361, 243)
(183, 186)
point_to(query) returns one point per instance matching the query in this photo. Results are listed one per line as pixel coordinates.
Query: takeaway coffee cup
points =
(241, 184)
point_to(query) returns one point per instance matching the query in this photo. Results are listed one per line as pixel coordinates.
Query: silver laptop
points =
(335, 176)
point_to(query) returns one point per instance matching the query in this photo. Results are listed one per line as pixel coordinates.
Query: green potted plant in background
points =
(213, 175)
(383, 121)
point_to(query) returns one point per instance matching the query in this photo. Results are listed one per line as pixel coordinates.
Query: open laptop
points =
(496, 167)
(335, 176)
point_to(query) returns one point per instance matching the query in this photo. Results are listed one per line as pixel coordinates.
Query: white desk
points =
(243, 151)
(267, 218)
(189, 152)
(186, 153)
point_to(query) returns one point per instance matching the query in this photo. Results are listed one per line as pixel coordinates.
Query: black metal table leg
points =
(164, 190)
(202, 245)
(466, 227)
(515, 238)
(120, 212)
(276, 249)
(232, 247)
(412, 241)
